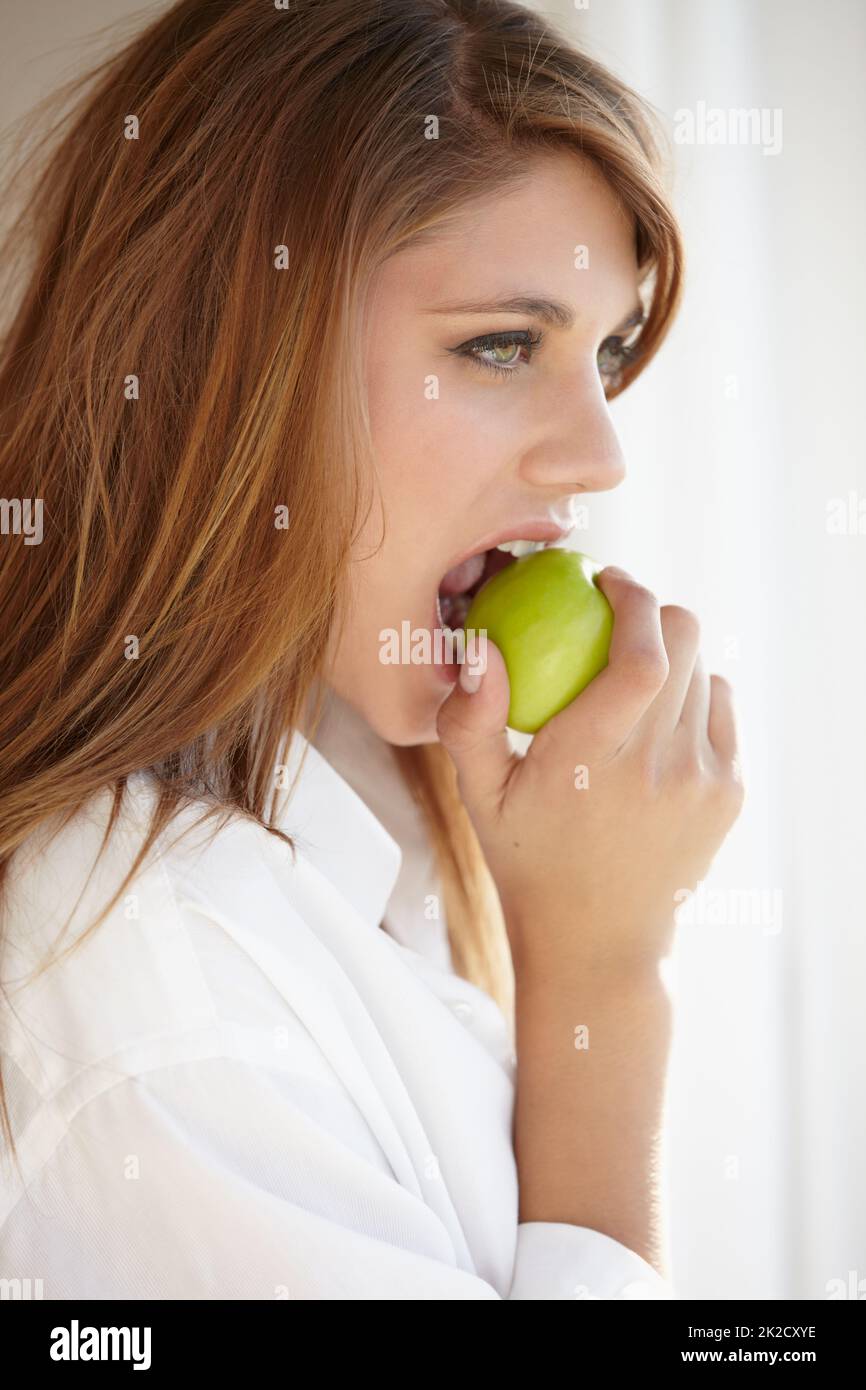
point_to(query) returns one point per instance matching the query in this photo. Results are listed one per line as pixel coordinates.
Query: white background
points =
(744, 428)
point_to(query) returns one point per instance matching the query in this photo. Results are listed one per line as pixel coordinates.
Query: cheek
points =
(444, 447)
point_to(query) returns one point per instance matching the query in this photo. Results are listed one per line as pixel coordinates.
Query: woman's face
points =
(477, 443)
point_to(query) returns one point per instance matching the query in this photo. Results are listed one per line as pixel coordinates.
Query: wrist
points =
(599, 965)
(548, 946)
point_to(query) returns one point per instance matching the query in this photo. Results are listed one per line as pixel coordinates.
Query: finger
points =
(722, 723)
(606, 710)
(471, 726)
(695, 714)
(681, 632)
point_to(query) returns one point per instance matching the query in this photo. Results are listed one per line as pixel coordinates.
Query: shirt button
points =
(461, 1008)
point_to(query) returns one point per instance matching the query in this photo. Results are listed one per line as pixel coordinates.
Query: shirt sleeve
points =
(555, 1260)
(215, 1179)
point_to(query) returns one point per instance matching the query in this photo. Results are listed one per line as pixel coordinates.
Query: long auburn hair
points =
(189, 264)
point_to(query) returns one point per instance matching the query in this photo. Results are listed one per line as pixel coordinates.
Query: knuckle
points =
(649, 775)
(640, 594)
(689, 774)
(696, 771)
(680, 623)
(731, 781)
(453, 732)
(632, 591)
(646, 668)
(725, 791)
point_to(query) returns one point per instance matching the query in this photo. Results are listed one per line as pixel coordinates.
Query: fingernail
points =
(470, 677)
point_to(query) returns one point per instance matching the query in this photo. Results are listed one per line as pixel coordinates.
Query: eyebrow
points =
(551, 311)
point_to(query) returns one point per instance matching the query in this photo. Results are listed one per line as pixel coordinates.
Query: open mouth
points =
(460, 585)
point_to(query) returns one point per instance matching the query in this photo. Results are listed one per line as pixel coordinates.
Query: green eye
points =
(512, 355)
(504, 353)
(613, 356)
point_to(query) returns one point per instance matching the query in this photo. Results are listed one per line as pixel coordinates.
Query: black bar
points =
(225, 1336)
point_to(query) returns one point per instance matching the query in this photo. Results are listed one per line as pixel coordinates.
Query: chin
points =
(405, 714)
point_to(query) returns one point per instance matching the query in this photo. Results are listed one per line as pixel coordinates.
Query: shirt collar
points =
(336, 831)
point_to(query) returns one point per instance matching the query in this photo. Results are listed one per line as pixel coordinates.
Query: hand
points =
(587, 874)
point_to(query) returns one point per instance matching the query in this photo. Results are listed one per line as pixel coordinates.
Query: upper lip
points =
(527, 531)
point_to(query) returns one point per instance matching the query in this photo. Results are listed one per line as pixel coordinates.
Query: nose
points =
(577, 448)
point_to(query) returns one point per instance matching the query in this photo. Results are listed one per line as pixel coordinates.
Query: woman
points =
(327, 303)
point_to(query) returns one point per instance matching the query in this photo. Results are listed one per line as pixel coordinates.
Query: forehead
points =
(561, 230)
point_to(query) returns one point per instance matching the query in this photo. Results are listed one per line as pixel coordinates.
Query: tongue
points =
(464, 575)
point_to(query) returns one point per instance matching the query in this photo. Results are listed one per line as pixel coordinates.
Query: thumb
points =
(471, 726)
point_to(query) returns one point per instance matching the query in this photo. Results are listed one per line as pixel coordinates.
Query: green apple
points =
(552, 624)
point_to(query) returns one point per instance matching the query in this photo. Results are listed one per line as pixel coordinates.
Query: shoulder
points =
(173, 969)
(97, 867)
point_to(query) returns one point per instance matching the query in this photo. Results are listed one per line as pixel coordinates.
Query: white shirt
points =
(241, 1086)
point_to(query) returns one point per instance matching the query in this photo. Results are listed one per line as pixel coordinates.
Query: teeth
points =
(454, 608)
(518, 548)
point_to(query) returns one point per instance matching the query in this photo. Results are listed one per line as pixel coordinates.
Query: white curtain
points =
(745, 492)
